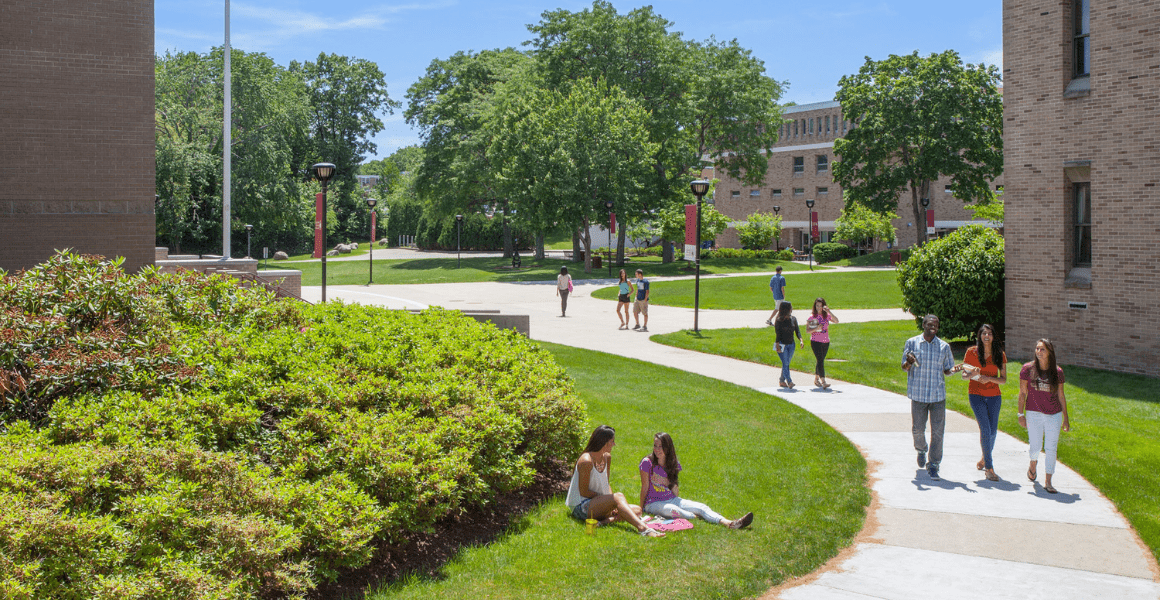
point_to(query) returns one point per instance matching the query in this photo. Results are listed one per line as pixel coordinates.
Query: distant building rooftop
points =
(814, 106)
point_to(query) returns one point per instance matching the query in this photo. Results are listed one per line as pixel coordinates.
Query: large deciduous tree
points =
(916, 119)
(861, 225)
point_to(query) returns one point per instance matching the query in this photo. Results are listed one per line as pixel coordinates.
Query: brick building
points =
(77, 133)
(799, 170)
(1082, 150)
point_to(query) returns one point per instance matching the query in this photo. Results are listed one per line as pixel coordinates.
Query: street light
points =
(925, 201)
(248, 228)
(458, 236)
(371, 202)
(323, 172)
(810, 205)
(699, 187)
(608, 205)
(777, 211)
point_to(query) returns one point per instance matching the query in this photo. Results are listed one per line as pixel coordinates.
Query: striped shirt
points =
(925, 382)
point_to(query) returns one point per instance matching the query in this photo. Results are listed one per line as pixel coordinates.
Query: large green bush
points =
(785, 254)
(959, 278)
(830, 251)
(176, 436)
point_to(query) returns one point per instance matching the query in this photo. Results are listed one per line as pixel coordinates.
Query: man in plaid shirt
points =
(927, 361)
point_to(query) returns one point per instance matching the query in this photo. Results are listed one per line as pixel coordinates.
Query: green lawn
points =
(1115, 418)
(741, 450)
(865, 289)
(444, 270)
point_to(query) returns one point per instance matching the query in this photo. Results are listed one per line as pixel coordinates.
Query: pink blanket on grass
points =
(671, 525)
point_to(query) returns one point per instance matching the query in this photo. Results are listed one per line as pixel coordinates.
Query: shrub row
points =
(736, 253)
(830, 251)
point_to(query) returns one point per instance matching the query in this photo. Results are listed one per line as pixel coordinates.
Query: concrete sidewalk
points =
(961, 537)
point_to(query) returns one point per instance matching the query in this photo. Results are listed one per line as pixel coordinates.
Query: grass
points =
(445, 270)
(741, 450)
(873, 259)
(865, 289)
(1115, 417)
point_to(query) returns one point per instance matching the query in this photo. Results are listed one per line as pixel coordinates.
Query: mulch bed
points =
(424, 554)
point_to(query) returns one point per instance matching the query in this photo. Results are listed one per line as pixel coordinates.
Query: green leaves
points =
(759, 230)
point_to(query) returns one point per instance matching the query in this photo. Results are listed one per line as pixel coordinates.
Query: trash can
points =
(895, 258)
(597, 261)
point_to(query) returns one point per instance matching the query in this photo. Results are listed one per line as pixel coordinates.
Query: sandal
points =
(1031, 474)
(825, 384)
(652, 533)
(980, 465)
(991, 476)
(743, 522)
(1050, 490)
(818, 383)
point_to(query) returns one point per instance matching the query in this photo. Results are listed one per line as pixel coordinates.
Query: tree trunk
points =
(587, 239)
(620, 240)
(666, 252)
(507, 233)
(577, 249)
(922, 190)
(540, 246)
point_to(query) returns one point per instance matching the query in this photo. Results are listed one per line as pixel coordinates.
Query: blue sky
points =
(810, 45)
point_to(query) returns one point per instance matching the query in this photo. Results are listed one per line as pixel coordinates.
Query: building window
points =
(799, 191)
(1083, 224)
(799, 165)
(947, 189)
(754, 193)
(811, 126)
(823, 163)
(999, 188)
(1081, 42)
(823, 190)
(795, 129)
(777, 193)
(735, 194)
(803, 128)
(827, 124)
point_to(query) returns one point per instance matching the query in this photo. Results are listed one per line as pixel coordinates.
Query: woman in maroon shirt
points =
(1042, 408)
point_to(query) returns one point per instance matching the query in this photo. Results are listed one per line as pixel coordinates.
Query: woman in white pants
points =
(659, 473)
(1042, 409)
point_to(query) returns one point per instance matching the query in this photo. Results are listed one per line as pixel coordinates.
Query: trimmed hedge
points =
(830, 251)
(737, 253)
(177, 436)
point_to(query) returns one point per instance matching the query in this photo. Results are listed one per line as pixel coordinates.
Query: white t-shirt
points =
(562, 282)
(597, 484)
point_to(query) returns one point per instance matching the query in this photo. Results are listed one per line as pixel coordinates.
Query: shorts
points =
(640, 306)
(624, 298)
(580, 511)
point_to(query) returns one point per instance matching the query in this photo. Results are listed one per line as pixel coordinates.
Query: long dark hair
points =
(623, 277)
(783, 311)
(997, 352)
(563, 270)
(1052, 374)
(670, 456)
(600, 437)
(815, 308)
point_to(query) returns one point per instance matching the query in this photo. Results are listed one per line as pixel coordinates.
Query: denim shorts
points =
(580, 511)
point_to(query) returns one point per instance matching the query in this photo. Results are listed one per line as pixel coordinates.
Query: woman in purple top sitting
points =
(659, 472)
(1042, 409)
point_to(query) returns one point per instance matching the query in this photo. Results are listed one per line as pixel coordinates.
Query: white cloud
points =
(993, 57)
(269, 26)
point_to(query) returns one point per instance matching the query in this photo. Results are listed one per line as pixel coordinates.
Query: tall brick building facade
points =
(799, 170)
(1082, 151)
(77, 133)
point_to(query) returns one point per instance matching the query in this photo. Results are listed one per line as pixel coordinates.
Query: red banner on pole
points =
(690, 231)
(374, 223)
(930, 221)
(814, 233)
(319, 206)
(612, 222)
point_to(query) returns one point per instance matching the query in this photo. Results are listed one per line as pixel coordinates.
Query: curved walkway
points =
(961, 537)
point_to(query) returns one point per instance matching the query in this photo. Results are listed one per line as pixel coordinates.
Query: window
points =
(823, 190)
(777, 193)
(754, 193)
(811, 125)
(1081, 43)
(827, 124)
(799, 165)
(803, 128)
(799, 191)
(998, 188)
(795, 129)
(1083, 224)
(947, 189)
(823, 163)
(735, 194)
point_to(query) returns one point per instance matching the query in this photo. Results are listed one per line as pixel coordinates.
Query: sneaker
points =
(769, 321)
(932, 470)
(743, 522)
(644, 328)
(921, 459)
(637, 326)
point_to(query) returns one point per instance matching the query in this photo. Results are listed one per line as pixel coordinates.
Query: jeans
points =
(820, 349)
(937, 411)
(786, 355)
(1043, 431)
(679, 508)
(986, 409)
(563, 301)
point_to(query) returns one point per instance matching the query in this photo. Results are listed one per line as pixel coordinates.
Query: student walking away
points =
(785, 327)
(927, 361)
(819, 327)
(563, 288)
(589, 494)
(660, 494)
(623, 299)
(1042, 409)
(777, 286)
(640, 307)
(985, 366)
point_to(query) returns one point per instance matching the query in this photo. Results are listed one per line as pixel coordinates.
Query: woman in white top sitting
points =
(591, 497)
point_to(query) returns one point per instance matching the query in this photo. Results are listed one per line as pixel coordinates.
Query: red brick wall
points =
(76, 137)
(1047, 140)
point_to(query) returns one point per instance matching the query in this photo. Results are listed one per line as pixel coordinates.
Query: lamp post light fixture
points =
(458, 238)
(248, 229)
(810, 205)
(371, 202)
(608, 205)
(925, 201)
(777, 211)
(699, 187)
(323, 172)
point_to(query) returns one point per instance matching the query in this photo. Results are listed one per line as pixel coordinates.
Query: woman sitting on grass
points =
(589, 494)
(659, 493)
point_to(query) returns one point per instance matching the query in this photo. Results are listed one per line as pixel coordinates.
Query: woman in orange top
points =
(985, 365)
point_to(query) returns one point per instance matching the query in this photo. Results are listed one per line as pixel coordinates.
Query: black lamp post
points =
(371, 202)
(925, 201)
(810, 205)
(777, 211)
(608, 205)
(248, 228)
(323, 172)
(700, 187)
(458, 237)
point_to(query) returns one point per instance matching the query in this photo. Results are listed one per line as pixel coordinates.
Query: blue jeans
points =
(786, 355)
(986, 410)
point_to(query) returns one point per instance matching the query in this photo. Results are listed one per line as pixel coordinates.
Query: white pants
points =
(683, 509)
(1043, 432)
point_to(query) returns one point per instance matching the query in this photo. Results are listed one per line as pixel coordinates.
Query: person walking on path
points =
(563, 288)
(777, 286)
(818, 325)
(927, 361)
(623, 299)
(641, 305)
(784, 329)
(589, 494)
(985, 365)
(660, 494)
(1042, 409)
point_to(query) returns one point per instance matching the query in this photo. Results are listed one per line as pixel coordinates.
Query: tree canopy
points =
(859, 224)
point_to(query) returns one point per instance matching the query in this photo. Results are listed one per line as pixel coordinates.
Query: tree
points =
(917, 119)
(959, 278)
(670, 221)
(759, 230)
(992, 210)
(859, 225)
(641, 233)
